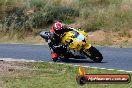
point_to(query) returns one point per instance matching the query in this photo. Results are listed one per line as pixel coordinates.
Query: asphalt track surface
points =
(114, 58)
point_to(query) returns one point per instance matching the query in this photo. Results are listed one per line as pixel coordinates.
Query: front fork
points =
(85, 49)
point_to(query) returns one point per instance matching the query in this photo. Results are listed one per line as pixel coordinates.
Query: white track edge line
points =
(11, 59)
(96, 67)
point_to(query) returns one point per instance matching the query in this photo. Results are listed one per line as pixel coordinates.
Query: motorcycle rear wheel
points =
(94, 54)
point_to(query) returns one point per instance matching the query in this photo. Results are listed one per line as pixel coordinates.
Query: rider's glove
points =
(64, 46)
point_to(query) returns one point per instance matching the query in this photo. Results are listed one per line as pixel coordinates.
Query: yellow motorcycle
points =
(78, 42)
(77, 46)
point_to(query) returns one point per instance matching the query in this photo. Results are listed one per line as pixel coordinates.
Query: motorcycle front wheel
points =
(94, 54)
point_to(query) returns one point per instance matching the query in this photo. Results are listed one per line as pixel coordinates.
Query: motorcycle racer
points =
(56, 31)
(66, 43)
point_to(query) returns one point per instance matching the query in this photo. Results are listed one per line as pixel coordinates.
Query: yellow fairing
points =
(75, 45)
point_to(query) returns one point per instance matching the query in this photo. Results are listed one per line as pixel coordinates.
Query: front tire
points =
(94, 54)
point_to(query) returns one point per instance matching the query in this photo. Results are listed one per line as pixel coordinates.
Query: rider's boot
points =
(54, 56)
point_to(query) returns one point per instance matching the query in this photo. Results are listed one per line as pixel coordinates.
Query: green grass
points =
(89, 14)
(46, 75)
(106, 14)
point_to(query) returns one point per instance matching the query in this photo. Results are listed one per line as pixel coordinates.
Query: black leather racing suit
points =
(54, 43)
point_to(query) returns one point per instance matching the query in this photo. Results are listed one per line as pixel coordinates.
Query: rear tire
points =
(94, 54)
